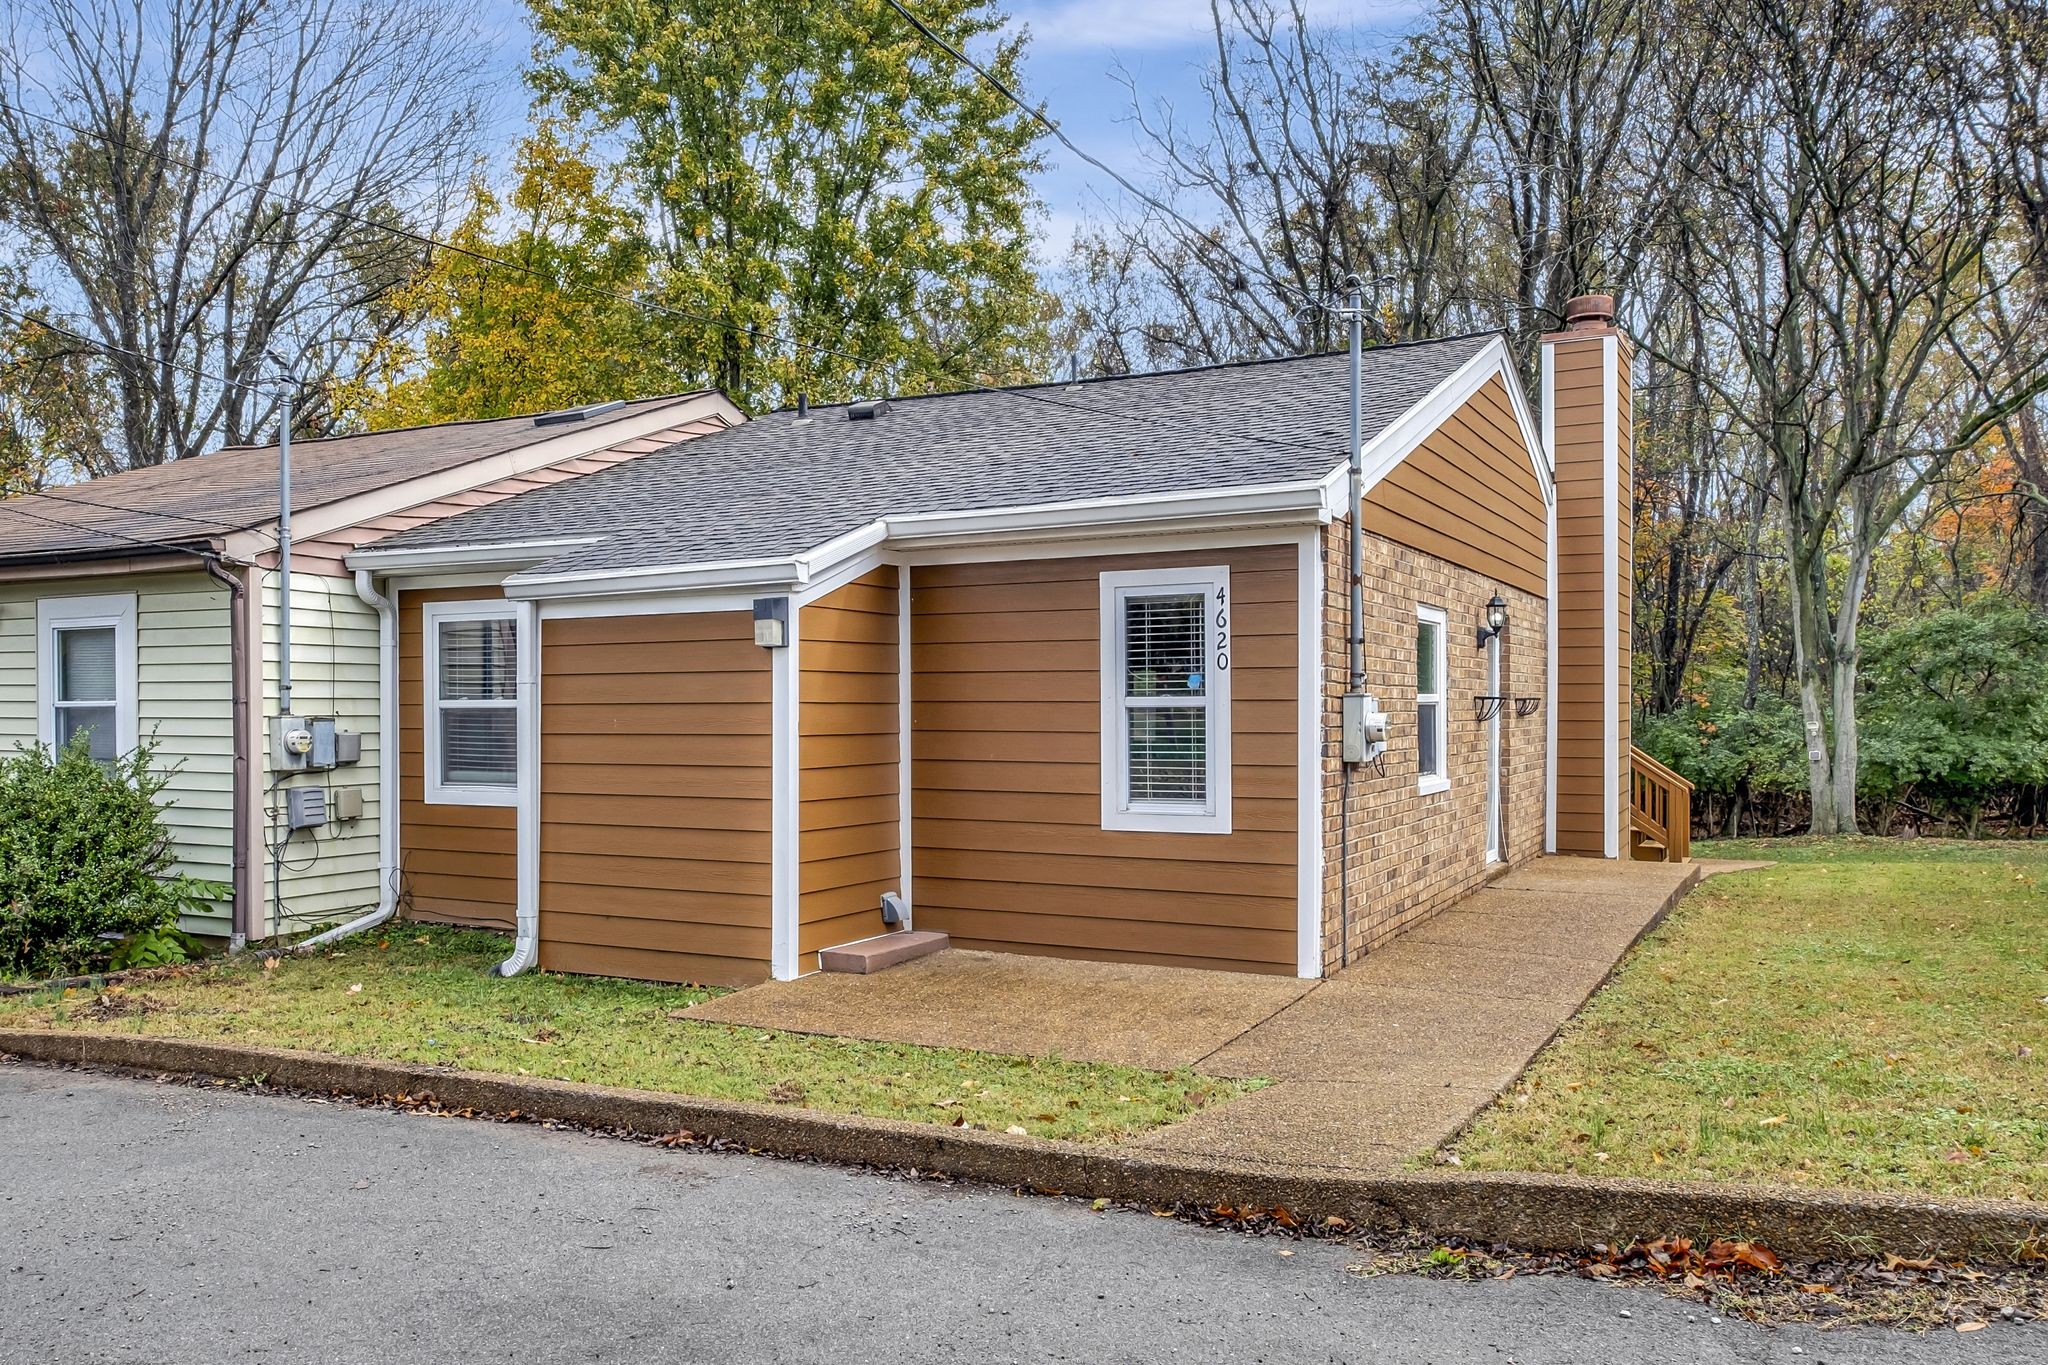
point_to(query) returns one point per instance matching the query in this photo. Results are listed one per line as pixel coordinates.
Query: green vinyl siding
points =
(183, 701)
(328, 873)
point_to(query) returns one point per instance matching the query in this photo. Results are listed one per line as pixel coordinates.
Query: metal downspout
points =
(387, 771)
(243, 792)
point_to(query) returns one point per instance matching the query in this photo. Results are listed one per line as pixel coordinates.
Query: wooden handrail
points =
(1660, 806)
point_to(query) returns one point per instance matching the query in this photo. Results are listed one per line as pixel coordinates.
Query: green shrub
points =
(84, 860)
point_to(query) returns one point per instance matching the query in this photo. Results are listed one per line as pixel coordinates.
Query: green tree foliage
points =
(473, 339)
(815, 172)
(1957, 714)
(83, 854)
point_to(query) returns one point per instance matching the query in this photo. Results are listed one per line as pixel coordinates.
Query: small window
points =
(1166, 700)
(1430, 730)
(472, 719)
(86, 673)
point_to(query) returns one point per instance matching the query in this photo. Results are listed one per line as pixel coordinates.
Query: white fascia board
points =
(575, 440)
(434, 558)
(1407, 432)
(1296, 501)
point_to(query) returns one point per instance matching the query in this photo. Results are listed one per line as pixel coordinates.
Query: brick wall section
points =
(1414, 855)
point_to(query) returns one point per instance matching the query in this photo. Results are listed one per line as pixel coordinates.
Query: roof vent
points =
(868, 411)
(582, 414)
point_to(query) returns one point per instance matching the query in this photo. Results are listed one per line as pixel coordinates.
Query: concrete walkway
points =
(1381, 1062)
(1391, 1056)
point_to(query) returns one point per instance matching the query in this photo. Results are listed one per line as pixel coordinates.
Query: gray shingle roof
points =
(189, 502)
(777, 486)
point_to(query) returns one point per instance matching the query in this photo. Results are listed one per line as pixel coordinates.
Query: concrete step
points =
(885, 950)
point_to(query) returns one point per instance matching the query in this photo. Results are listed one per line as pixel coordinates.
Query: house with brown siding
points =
(1061, 669)
(147, 606)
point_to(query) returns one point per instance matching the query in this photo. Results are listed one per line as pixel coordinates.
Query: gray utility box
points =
(305, 807)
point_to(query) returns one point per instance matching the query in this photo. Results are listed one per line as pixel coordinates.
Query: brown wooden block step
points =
(884, 950)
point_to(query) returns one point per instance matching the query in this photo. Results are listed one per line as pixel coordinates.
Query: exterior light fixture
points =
(1496, 620)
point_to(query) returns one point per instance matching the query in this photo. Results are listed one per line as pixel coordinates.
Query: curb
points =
(1539, 1212)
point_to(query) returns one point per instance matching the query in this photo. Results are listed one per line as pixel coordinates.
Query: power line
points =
(1037, 114)
(753, 333)
(7, 508)
(99, 345)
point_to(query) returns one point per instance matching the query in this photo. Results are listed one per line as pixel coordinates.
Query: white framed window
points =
(470, 690)
(1166, 700)
(1432, 766)
(85, 673)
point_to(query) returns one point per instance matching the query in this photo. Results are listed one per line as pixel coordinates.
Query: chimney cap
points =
(1589, 310)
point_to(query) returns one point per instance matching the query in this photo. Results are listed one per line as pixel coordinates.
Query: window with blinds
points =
(86, 673)
(1165, 662)
(1430, 728)
(88, 689)
(473, 663)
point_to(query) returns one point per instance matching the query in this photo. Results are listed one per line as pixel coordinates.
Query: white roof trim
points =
(1407, 433)
(1281, 504)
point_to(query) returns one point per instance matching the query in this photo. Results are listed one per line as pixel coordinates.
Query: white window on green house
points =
(1166, 700)
(472, 713)
(85, 673)
(1431, 731)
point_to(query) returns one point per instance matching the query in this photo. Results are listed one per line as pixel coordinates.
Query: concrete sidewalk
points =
(1381, 1062)
(1393, 1055)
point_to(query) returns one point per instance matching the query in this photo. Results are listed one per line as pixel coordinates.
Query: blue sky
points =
(1077, 49)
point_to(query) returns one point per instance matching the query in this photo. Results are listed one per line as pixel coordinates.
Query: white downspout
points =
(387, 770)
(526, 945)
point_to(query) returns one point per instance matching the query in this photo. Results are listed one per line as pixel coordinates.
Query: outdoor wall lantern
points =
(1496, 620)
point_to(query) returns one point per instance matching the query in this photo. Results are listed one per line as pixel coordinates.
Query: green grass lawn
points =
(422, 994)
(1869, 1013)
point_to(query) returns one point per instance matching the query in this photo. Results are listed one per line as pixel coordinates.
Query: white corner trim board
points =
(785, 871)
(1610, 578)
(1308, 817)
(1549, 394)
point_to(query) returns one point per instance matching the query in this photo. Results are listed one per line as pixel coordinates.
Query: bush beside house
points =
(85, 863)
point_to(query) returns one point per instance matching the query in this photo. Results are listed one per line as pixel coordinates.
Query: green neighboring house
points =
(146, 605)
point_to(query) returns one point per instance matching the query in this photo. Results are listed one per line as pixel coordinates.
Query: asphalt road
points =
(160, 1223)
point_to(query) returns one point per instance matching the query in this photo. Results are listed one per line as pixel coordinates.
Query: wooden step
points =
(884, 950)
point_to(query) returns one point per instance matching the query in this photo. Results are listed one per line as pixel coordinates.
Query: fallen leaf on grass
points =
(1773, 1121)
(269, 964)
(356, 989)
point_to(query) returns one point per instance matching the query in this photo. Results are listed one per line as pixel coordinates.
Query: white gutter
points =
(387, 771)
(1303, 500)
(526, 943)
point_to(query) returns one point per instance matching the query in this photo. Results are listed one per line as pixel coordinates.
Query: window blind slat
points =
(85, 664)
(1165, 646)
(477, 661)
(480, 746)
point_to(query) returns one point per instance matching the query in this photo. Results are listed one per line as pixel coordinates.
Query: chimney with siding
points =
(1586, 426)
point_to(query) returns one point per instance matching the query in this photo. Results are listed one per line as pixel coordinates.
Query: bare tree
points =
(197, 186)
(1854, 223)
(1305, 162)
(1575, 99)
